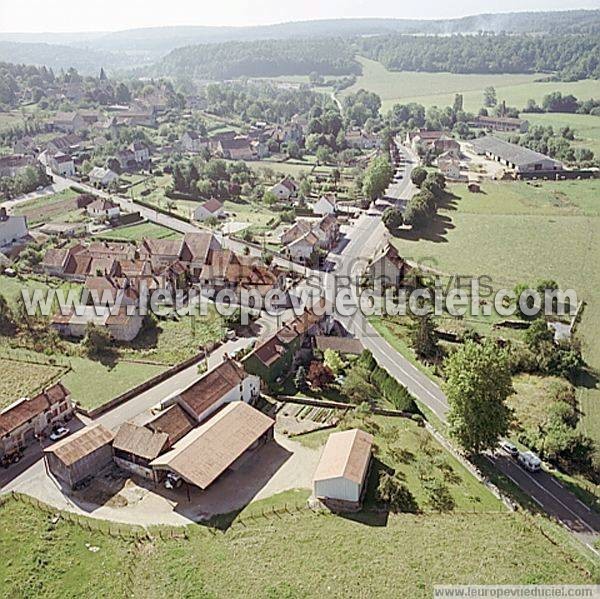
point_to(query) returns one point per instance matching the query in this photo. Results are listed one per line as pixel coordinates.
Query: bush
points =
(397, 394)
(395, 494)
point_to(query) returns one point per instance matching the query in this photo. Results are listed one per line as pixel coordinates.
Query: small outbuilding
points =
(341, 473)
(81, 455)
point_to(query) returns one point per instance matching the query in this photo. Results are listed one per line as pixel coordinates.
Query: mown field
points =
(516, 232)
(137, 232)
(292, 555)
(439, 88)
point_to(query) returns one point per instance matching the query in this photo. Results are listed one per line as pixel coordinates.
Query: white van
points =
(530, 461)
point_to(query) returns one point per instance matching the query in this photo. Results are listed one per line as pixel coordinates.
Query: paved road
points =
(544, 489)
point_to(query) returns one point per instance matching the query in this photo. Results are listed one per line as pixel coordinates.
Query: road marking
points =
(556, 482)
(587, 507)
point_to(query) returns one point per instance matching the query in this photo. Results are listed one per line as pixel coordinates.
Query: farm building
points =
(26, 418)
(517, 158)
(81, 455)
(341, 473)
(208, 451)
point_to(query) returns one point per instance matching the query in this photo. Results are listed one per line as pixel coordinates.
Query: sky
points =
(114, 15)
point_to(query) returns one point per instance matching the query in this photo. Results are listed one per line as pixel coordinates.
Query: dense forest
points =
(260, 59)
(568, 57)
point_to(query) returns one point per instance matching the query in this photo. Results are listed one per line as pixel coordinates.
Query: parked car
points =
(509, 448)
(530, 461)
(172, 481)
(59, 432)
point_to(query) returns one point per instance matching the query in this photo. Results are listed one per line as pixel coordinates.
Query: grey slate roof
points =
(517, 155)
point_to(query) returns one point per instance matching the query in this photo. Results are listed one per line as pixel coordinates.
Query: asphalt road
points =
(544, 489)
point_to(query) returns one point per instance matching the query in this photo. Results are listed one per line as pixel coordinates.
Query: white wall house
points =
(324, 205)
(302, 249)
(102, 177)
(103, 209)
(212, 208)
(12, 228)
(193, 142)
(341, 473)
(286, 189)
(62, 164)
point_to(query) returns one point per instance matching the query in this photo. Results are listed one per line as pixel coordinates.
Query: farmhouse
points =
(102, 177)
(206, 453)
(211, 209)
(517, 158)
(14, 164)
(304, 237)
(325, 205)
(191, 141)
(359, 138)
(278, 354)
(238, 148)
(449, 165)
(102, 209)
(68, 144)
(12, 228)
(24, 419)
(80, 456)
(286, 189)
(226, 383)
(61, 164)
(69, 122)
(388, 269)
(121, 325)
(141, 153)
(341, 474)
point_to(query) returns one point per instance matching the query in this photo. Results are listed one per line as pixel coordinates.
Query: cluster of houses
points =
(260, 141)
(119, 276)
(13, 229)
(195, 435)
(307, 237)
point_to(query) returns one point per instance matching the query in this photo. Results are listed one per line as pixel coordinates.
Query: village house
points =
(141, 153)
(387, 268)
(25, 419)
(193, 142)
(215, 141)
(279, 354)
(436, 141)
(218, 445)
(102, 177)
(12, 228)
(14, 164)
(68, 144)
(341, 475)
(127, 161)
(61, 164)
(89, 116)
(133, 118)
(102, 210)
(226, 270)
(325, 205)
(24, 145)
(303, 249)
(449, 165)
(286, 189)
(238, 148)
(69, 122)
(80, 456)
(210, 209)
(121, 325)
(361, 139)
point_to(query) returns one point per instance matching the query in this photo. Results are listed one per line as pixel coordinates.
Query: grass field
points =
(137, 232)
(515, 232)
(24, 379)
(290, 556)
(58, 207)
(439, 88)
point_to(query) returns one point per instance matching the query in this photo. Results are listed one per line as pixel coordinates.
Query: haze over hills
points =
(135, 47)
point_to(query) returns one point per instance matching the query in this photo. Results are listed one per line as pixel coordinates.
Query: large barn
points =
(341, 474)
(517, 158)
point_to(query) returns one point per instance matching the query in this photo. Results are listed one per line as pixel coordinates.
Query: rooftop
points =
(80, 444)
(517, 155)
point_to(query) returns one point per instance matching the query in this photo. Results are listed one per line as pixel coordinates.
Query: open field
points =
(292, 555)
(24, 379)
(137, 232)
(439, 88)
(515, 232)
(93, 383)
(58, 207)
